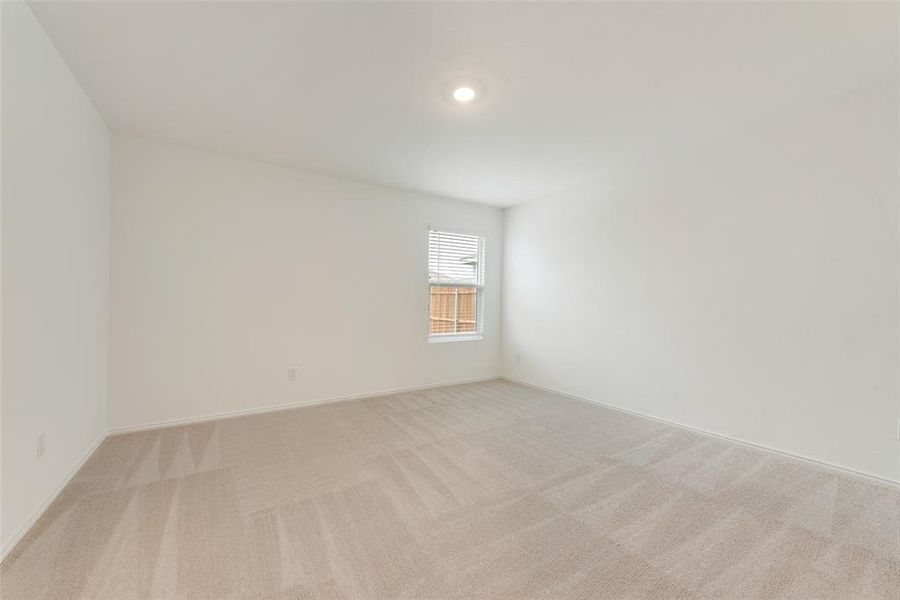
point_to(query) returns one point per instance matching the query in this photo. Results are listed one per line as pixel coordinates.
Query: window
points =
(456, 285)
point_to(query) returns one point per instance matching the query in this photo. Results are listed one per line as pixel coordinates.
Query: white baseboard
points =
(819, 463)
(43, 507)
(278, 407)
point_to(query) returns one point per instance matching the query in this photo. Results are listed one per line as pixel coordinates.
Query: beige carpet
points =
(487, 490)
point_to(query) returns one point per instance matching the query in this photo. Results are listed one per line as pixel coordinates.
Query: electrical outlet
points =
(293, 373)
(40, 445)
(518, 358)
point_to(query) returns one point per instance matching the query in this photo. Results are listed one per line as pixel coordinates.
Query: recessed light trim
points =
(464, 94)
(461, 91)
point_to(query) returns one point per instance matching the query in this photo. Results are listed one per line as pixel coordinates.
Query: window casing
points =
(455, 286)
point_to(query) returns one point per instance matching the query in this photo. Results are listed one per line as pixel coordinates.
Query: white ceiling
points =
(355, 89)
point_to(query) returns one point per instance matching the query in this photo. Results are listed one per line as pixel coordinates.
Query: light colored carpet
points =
(488, 490)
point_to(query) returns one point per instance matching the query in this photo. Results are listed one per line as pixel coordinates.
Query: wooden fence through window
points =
(454, 309)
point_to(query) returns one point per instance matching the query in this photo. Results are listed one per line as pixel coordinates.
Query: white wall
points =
(55, 258)
(749, 288)
(226, 272)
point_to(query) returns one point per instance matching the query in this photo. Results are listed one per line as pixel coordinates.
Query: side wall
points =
(749, 289)
(55, 260)
(228, 272)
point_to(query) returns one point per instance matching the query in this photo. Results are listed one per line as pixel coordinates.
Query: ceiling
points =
(571, 91)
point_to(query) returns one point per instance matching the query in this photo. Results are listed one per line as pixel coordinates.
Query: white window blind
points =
(456, 284)
(455, 259)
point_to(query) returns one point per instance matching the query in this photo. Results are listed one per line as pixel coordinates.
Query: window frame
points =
(478, 334)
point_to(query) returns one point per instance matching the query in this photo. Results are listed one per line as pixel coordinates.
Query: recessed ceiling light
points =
(464, 94)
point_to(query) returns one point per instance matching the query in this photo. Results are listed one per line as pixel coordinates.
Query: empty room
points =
(449, 300)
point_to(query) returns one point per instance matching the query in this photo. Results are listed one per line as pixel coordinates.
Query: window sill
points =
(467, 337)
